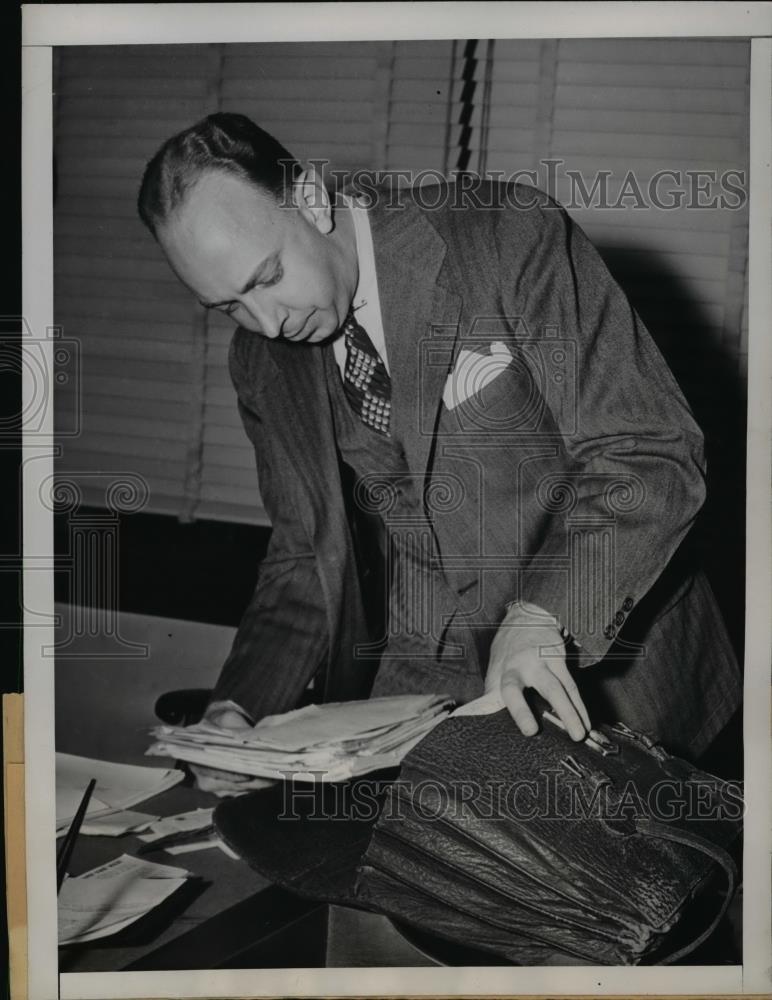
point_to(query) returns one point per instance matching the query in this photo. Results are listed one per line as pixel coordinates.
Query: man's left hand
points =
(529, 652)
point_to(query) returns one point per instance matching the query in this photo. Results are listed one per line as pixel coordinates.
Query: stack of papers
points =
(330, 742)
(118, 787)
(106, 899)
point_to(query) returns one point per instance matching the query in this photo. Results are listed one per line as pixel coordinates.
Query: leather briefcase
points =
(536, 849)
(527, 846)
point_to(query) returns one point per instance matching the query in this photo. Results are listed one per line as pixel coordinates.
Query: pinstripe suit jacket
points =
(577, 474)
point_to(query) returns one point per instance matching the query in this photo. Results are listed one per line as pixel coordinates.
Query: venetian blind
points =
(420, 114)
(113, 291)
(635, 108)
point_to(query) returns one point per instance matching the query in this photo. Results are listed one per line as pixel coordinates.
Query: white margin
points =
(757, 920)
(38, 534)
(122, 24)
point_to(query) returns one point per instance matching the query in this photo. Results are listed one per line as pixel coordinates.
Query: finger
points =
(512, 693)
(227, 718)
(563, 674)
(549, 687)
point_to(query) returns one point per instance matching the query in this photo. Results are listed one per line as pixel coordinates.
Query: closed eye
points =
(229, 307)
(275, 278)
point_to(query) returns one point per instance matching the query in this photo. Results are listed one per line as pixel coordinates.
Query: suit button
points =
(619, 617)
(609, 631)
(627, 604)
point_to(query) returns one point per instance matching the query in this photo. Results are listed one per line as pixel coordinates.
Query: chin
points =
(324, 331)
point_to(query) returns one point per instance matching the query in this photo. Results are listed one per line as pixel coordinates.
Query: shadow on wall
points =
(708, 374)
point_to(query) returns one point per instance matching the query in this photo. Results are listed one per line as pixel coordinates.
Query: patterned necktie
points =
(365, 379)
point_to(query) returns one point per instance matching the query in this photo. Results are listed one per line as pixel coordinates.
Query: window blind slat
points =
(681, 76)
(116, 348)
(120, 404)
(654, 51)
(115, 310)
(168, 460)
(102, 376)
(632, 99)
(656, 122)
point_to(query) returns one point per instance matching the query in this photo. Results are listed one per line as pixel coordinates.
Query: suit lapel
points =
(420, 318)
(298, 385)
(294, 376)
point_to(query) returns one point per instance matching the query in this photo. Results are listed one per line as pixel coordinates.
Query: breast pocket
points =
(500, 399)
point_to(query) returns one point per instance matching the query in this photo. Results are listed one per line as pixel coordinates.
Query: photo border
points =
(46, 26)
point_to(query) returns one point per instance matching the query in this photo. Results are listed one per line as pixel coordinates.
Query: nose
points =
(265, 314)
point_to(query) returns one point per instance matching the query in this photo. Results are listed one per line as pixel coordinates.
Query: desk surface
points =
(104, 708)
(231, 919)
(221, 883)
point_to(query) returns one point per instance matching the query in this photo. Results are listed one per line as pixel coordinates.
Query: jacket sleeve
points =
(282, 639)
(634, 457)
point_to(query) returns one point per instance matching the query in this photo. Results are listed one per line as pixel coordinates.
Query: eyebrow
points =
(253, 280)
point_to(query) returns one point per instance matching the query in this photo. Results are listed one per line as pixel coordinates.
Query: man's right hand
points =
(226, 718)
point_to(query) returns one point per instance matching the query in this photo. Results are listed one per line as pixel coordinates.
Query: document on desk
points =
(330, 742)
(106, 899)
(116, 824)
(118, 787)
(187, 822)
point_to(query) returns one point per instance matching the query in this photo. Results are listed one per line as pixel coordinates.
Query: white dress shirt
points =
(367, 305)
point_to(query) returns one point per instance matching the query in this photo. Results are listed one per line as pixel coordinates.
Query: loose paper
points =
(108, 898)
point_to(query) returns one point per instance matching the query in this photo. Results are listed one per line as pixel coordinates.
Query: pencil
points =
(65, 851)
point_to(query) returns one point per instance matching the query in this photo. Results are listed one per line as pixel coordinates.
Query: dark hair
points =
(222, 141)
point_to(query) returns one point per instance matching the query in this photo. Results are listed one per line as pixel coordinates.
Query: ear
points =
(312, 201)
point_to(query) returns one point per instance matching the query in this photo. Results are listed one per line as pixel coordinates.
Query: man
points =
(453, 403)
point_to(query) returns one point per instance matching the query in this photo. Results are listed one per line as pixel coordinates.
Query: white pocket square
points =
(473, 371)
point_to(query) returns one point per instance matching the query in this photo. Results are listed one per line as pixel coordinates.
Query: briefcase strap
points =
(653, 828)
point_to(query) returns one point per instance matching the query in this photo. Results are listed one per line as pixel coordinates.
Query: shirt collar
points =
(367, 284)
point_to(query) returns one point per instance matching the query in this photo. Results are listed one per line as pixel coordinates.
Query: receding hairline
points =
(210, 173)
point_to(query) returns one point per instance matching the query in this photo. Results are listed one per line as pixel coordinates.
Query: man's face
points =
(281, 271)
